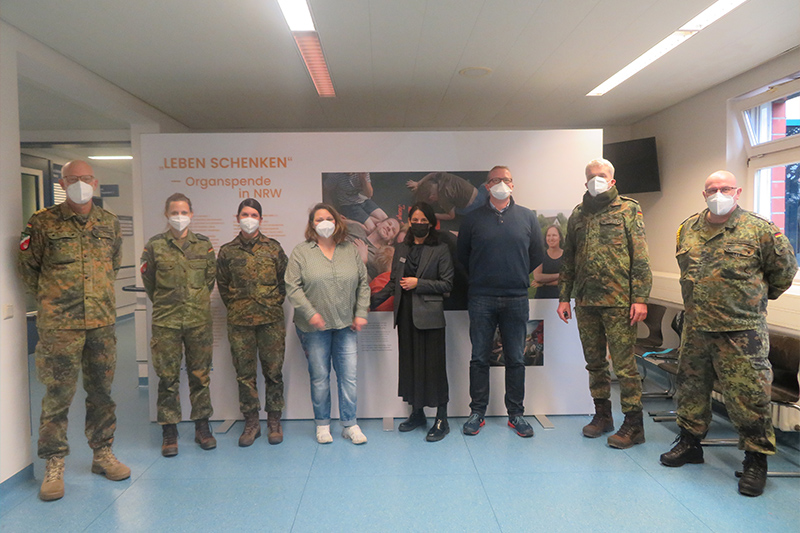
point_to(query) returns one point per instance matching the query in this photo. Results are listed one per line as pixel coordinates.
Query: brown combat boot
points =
(274, 429)
(631, 432)
(53, 484)
(203, 436)
(169, 442)
(252, 429)
(602, 422)
(105, 463)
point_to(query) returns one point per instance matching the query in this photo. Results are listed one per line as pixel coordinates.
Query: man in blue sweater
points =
(499, 244)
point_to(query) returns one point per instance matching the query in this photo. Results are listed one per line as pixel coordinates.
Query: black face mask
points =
(420, 230)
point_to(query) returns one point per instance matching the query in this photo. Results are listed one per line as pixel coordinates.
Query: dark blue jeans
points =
(486, 313)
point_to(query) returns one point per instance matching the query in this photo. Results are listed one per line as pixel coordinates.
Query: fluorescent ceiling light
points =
(311, 50)
(110, 157)
(713, 13)
(297, 15)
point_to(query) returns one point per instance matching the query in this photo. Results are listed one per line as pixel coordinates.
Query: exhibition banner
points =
(373, 178)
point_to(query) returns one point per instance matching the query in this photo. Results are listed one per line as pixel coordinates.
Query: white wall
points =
(15, 429)
(22, 55)
(693, 141)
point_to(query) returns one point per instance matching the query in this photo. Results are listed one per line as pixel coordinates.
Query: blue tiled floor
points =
(495, 481)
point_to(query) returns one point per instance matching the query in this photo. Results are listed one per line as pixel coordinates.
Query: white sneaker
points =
(354, 434)
(324, 434)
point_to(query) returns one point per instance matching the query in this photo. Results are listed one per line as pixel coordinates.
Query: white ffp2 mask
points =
(179, 222)
(325, 228)
(249, 225)
(501, 191)
(80, 192)
(720, 204)
(597, 185)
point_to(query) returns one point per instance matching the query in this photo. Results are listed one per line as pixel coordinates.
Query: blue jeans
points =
(486, 313)
(321, 348)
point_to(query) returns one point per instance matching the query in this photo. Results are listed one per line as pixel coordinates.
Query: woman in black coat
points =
(422, 274)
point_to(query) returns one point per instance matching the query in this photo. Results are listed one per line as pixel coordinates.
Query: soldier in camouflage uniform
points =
(732, 261)
(178, 269)
(69, 257)
(250, 273)
(605, 266)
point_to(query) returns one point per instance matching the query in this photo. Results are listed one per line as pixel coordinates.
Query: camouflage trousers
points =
(167, 345)
(610, 326)
(60, 354)
(269, 341)
(739, 360)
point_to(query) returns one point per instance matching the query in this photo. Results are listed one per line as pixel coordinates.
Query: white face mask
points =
(325, 228)
(501, 191)
(179, 222)
(80, 192)
(597, 185)
(249, 225)
(720, 204)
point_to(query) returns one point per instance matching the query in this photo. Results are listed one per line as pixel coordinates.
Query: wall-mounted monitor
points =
(635, 165)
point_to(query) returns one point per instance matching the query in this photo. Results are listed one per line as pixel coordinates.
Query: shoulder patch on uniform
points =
(24, 242)
(678, 236)
(143, 267)
(202, 237)
(629, 199)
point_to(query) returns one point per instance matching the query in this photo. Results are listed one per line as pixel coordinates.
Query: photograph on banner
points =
(533, 354)
(544, 278)
(375, 206)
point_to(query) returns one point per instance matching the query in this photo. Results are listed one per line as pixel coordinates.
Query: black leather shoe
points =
(414, 420)
(440, 428)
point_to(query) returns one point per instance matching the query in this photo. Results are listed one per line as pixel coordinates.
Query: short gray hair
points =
(600, 162)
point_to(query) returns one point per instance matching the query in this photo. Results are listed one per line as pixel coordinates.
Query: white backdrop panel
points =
(548, 175)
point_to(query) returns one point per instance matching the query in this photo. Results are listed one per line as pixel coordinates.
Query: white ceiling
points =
(233, 65)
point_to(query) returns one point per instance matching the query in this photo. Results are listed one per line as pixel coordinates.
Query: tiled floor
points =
(495, 481)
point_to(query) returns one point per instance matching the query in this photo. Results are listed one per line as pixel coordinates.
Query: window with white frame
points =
(771, 120)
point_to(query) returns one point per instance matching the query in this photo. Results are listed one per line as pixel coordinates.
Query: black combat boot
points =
(754, 474)
(602, 422)
(252, 429)
(687, 450)
(630, 432)
(169, 442)
(203, 436)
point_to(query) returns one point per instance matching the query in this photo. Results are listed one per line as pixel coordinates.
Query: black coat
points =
(435, 280)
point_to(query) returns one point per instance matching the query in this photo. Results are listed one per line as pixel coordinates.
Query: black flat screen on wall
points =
(635, 165)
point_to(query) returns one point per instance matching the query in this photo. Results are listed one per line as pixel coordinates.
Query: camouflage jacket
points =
(605, 261)
(250, 280)
(726, 279)
(71, 267)
(179, 281)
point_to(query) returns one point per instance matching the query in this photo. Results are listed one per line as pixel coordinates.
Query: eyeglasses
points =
(724, 190)
(495, 181)
(74, 179)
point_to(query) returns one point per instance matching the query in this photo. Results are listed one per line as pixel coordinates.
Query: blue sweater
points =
(500, 250)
